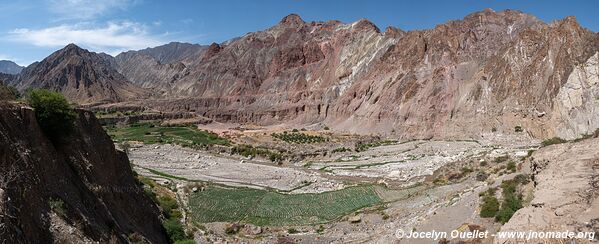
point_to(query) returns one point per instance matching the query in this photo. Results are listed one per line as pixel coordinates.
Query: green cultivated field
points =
(266, 208)
(149, 133)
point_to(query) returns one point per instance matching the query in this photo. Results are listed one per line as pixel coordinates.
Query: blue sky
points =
(33, 29)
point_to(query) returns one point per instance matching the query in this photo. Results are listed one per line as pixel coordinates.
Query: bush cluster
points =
(552, 141)
(297, 137)
(510, 203)
(250, 151)
(53, 113)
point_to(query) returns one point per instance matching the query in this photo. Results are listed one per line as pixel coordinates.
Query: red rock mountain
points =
(488, 71)
(82, 76)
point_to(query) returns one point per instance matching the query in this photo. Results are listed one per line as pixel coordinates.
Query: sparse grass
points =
(149, 133)
(265, 208)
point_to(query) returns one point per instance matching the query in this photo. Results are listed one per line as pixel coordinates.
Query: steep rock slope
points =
(9, 67)
(174, 52)
(82, 76)
(80, 190)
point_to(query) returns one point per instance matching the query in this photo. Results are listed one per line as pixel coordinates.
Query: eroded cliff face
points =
(80, 189)
(576, 107)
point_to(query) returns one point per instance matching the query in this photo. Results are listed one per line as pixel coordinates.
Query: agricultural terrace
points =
(267, 208)
(150, 133)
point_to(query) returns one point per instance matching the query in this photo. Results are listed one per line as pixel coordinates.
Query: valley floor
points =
(344, 195)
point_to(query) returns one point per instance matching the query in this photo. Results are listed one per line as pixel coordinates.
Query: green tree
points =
(53, 113)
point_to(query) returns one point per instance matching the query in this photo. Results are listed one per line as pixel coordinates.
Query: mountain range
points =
(490, 71)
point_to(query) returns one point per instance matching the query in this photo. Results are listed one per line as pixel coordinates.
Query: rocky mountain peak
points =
(72, 49)
(365, 25)
(292, 20)
(82, 76)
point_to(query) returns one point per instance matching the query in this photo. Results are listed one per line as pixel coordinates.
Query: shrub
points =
(490, 207)
(341, 149)
(502, 159)
(58, 206)
(482, 176)
(511, 166)
(522, 179)
(326, 128)
(168, 205)
(294, 130)
(174, 230)
(518, 128)
(552, 141)
(186, 241)
(53, 113)
(511, 201)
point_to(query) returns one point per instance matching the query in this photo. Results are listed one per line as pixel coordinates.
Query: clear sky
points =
(32, 29)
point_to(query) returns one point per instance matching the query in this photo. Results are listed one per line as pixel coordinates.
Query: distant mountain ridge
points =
(10, 67)
(156, 67)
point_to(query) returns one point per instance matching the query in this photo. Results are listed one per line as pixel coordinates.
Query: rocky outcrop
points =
(82, 76)
(78, 190)
(566, 193)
